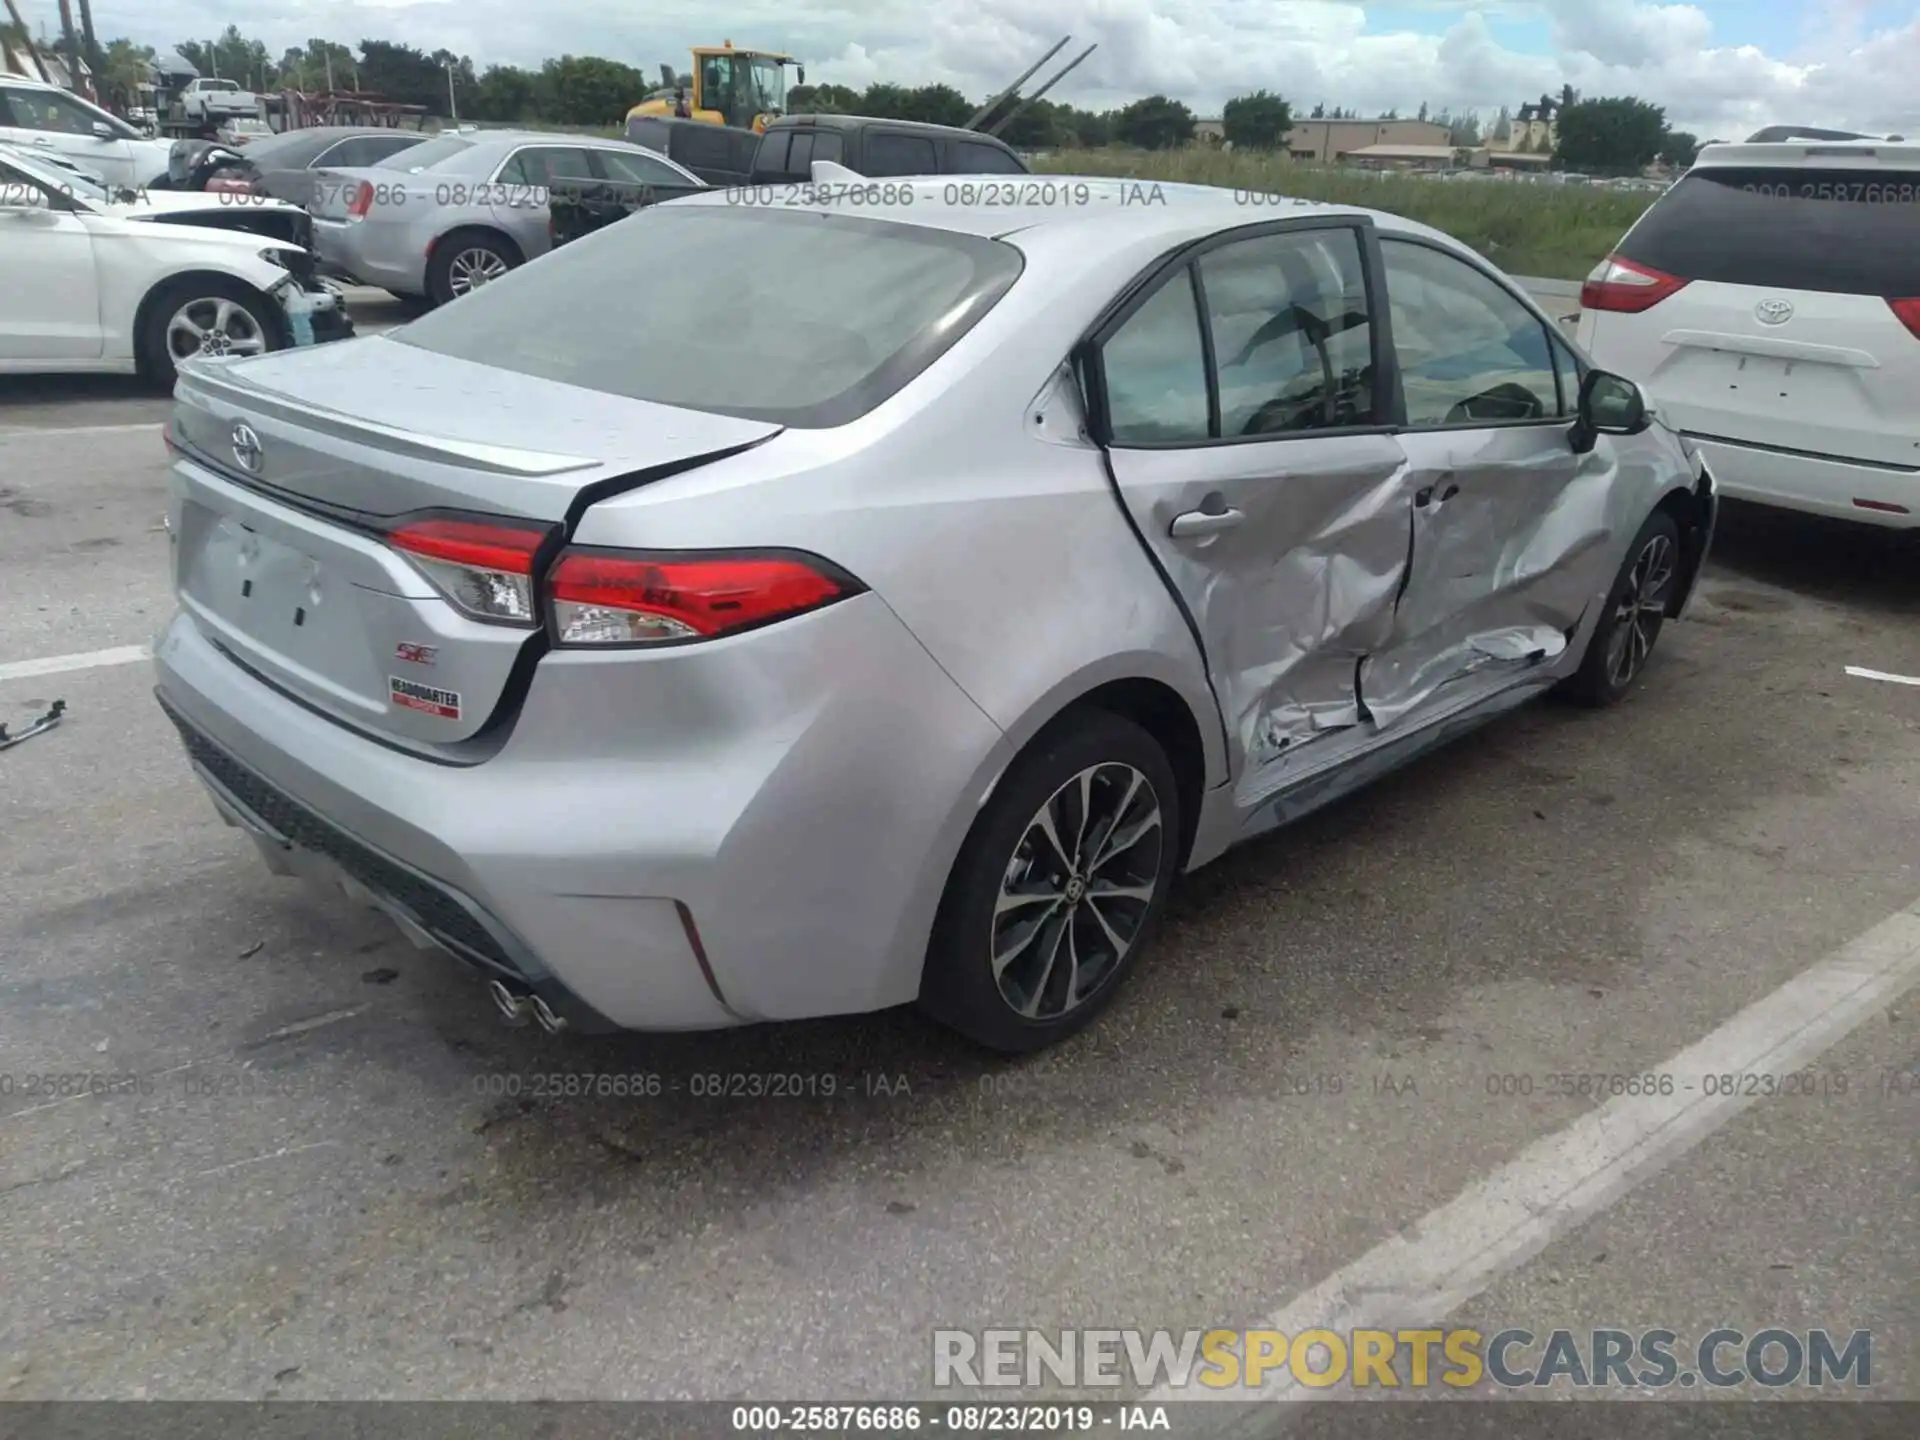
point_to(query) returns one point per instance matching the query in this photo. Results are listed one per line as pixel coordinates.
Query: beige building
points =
(1327, 141)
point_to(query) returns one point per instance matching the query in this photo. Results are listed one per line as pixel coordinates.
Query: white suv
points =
(67, 130)
(1769, 303)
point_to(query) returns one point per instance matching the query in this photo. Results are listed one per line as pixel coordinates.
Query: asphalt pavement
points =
(346, 1179)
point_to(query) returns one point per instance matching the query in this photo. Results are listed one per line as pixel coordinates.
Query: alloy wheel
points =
(213, 325)
(1077, 890)
(1642, 608)
(471, 269)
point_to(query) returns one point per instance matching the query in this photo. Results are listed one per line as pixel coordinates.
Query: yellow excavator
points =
(743, 88)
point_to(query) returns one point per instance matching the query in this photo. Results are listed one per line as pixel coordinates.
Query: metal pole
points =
(1008, 118)
(453, 106)
(987, 109)
(70, 42)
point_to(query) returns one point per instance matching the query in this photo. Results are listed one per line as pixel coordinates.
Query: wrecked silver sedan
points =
(898, 634)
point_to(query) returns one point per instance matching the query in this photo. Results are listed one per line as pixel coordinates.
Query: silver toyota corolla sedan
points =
(758, 611)
(438, 219)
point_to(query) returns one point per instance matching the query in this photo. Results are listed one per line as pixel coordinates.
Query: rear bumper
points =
(757, 853)
(1812, 484)
(353, 250)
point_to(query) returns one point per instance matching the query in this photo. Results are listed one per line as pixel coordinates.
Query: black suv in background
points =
(724, 156)
(876, 148)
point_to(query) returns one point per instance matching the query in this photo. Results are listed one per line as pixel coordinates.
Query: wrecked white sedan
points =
(98, 279)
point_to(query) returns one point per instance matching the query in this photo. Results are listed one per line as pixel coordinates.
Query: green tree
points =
(1678, 149)
(1615, 135)
(504, 92)
(885, 100)
(1259, 121)
(937, 105)
(124, 66)
(588, 90)
(1154, 123)
(823, 100)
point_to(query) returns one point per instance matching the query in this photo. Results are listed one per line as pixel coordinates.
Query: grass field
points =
(1555, 231)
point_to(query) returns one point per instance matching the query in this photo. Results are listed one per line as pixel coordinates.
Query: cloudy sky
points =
(1721, 67)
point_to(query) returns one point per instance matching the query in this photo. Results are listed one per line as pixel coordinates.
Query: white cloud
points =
(1202, 51)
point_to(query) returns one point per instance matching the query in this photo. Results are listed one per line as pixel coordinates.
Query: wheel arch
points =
(1694, 509)
(480, 228)
(157, 293)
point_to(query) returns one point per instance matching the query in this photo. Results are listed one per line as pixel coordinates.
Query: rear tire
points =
(231, 318)
(1634, 616)
(1031, 941)
(464, 260)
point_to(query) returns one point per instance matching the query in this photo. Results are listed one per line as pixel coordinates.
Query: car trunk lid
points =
(285, 511)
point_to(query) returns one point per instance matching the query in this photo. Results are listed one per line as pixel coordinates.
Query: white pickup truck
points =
(207, 100)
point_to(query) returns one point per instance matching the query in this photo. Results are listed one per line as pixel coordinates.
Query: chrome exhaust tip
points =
(551, 1023)
(512, 1007)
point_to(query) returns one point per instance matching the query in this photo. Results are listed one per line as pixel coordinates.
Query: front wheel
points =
(1059, 887)
(211, 316)
(1636, 613)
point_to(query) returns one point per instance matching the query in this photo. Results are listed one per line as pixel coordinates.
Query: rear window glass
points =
(426, 154)
(1786, 227)
(697, 306)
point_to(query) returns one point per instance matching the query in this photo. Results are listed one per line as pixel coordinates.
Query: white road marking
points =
(18, 432)
(85, 660)
(1856, 671)
(1452, 1254)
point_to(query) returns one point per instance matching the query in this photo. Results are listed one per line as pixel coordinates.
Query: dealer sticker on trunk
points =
(424, 698)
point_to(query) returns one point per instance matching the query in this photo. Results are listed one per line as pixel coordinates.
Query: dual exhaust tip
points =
(517, 1007)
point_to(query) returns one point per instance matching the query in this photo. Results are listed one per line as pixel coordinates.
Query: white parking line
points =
(84, 660)
(14, 432)
(1444, 1259)
(1856, 671)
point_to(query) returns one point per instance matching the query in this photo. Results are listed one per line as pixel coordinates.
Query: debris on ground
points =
(44, 723)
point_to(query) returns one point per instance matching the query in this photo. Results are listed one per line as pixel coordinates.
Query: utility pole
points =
(453, 106)
(96, 62)
(70, 42)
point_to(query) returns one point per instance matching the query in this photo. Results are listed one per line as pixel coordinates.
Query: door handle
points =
(1205, 522)
(41, 140)
(1425, 496)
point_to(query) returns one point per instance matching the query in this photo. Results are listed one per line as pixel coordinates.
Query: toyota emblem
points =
(1774, 312)
(246, 447)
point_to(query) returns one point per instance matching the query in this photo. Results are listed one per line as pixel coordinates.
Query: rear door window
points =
(889, 152)
(1849, 231)
(770, 160)
(800, 157)
(1292, 337)
(971, 157)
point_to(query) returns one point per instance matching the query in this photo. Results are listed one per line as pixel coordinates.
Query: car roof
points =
(534, 137)
(1898, 154)
(854, 122)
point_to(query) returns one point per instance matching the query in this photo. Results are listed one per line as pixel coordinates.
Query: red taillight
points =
(361, 202)
(605, 597)
(484, 567)
(1623, 286)
(1909, 313)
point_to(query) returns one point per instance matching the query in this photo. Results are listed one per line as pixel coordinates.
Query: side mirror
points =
(102, 130)
(801, 72)
(1609, 405)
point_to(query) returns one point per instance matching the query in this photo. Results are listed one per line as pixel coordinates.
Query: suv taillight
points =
(625, 597)
(483, 567)
(1909, 313)
(361, 202)
(1623, 286)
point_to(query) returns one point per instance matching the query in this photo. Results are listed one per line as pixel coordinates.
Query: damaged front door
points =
(1507, 521)
(1240, 413)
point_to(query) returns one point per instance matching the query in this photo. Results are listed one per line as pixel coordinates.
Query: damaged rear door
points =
(1237, 396)
(1508, 523)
